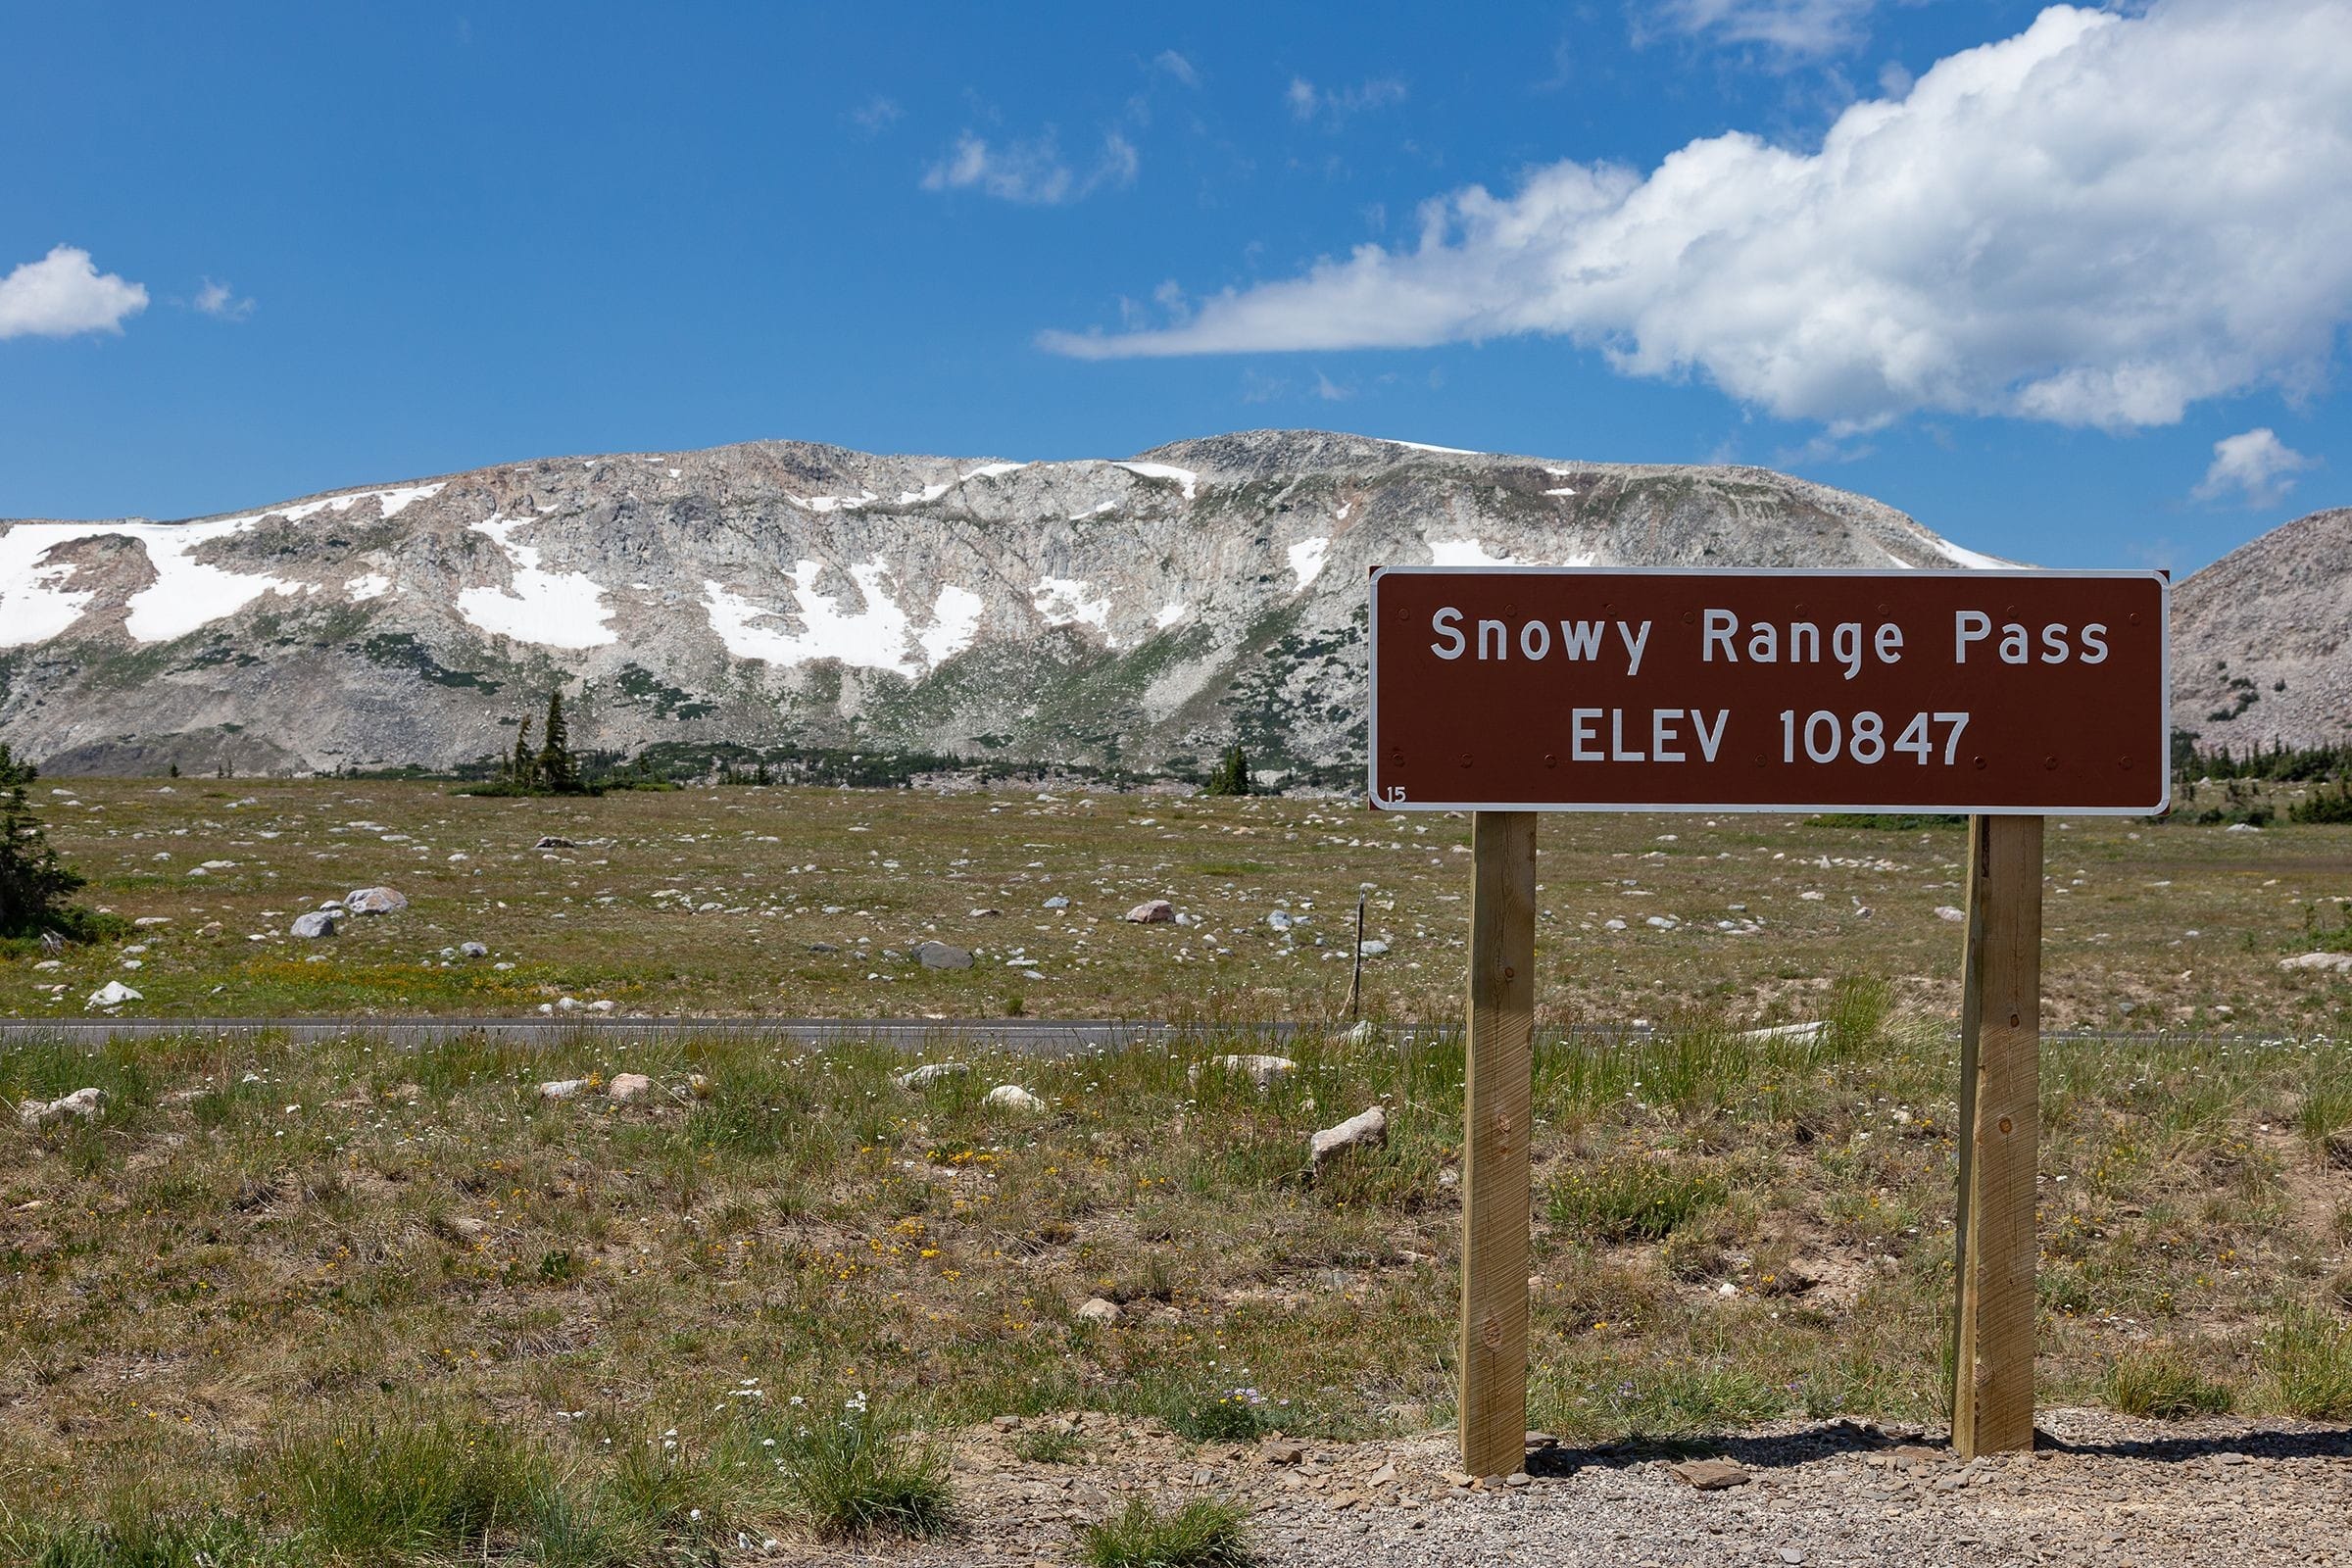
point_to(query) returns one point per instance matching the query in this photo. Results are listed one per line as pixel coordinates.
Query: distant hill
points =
(2262, 640)
(1141, 612)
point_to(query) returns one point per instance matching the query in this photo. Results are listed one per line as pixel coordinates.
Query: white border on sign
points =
(2164, 724)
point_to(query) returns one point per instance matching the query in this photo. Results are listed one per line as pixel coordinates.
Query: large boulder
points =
(375, 900)
(317, 923)
(1152, 911)
(942, 955)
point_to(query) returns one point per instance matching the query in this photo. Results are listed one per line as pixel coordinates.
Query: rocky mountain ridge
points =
(1141, 612)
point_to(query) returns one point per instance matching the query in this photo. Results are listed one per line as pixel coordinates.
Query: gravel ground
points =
(2103, 1489)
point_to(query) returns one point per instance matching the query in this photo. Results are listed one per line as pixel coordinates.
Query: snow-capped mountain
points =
(1135, 612)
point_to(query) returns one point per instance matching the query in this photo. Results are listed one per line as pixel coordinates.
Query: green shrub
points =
(861, 1472)
(1201, 1533)
(2309, 1360)
(1632, 1198)
(2164, 1383)
(388, 1491)
(1227, 1415)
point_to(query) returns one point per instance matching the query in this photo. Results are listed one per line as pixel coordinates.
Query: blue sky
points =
(2069, 287)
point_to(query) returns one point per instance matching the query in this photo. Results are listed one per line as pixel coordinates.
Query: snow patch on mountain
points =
(554, 608)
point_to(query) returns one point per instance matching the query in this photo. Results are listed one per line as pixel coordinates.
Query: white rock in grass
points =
(1944, 911)
(2340, 963)
(1099, 1310)
(562, 1088)
(113, 994)
(375, 900)
(1787, 1031)
(317, 923)
(1372, 949)
(1152, 911)
(83, 1102)
(931, 1072)
(628, 1086)
(1012, 1097)
(1368, 1129)
(1262, 1070)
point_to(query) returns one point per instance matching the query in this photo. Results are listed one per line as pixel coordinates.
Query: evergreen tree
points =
(34, 884)
(522, 768)
(558, 770)
(1231, 775)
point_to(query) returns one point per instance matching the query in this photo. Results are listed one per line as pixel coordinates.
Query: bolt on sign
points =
(2005, 695)
(1570, 689)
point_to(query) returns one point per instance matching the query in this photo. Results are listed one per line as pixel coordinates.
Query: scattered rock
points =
(1787, 1031)
(1099, 1310)
(1281, 1451)
(375, 900)
(985, 914)
(1710, 1475)
(1262, 1070)
(931, 1072)
(113, 994)
(628, 1086)
(317, 923)
(1944, 911)
(2242, 827)
(463, 1227)
(1372, 948)
(1005, 1423)
(554, 841)
(1152, 911)
(1058, 901)
(210, 928)
(2339, 962)
(1012, 1097)
(1280, 919)
(85, 1104)
(472, 949)
(562, 1088)
(942, 955)
(1368, 1129)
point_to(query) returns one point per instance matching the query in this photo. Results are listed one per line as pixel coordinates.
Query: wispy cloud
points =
(1175, 65)
(63, 295)
(877, 115)
(1032, 172)
(2254, 467)
(218, 299)
(1800, 28)
(2081, 225)
(1332, 107)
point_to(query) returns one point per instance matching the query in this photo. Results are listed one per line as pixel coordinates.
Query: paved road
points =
(1043, 1037)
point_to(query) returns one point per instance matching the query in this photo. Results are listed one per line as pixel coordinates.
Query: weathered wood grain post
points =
(1496, 1110)
(2000, 1100)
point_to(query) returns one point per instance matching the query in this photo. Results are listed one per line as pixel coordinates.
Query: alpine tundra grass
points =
(750, 902)
(343, 1301)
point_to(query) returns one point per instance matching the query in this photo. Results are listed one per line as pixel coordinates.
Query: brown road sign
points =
(1535, 688)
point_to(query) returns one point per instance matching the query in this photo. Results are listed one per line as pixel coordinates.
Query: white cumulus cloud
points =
(64, 294)
(1033, 171)
(2256, 467)
(2098, 221)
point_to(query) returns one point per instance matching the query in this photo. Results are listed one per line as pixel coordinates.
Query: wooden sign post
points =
(1498, 1083)
(2008, 696)
(2000, 1097)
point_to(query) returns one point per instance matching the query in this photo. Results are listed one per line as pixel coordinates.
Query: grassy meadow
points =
(349, 1302)
(752, 901)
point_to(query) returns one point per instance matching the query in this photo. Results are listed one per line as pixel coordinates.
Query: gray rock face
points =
(942, 955)
(1153, 610)
(2262, 640)
(375, 900)
(317, 923)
